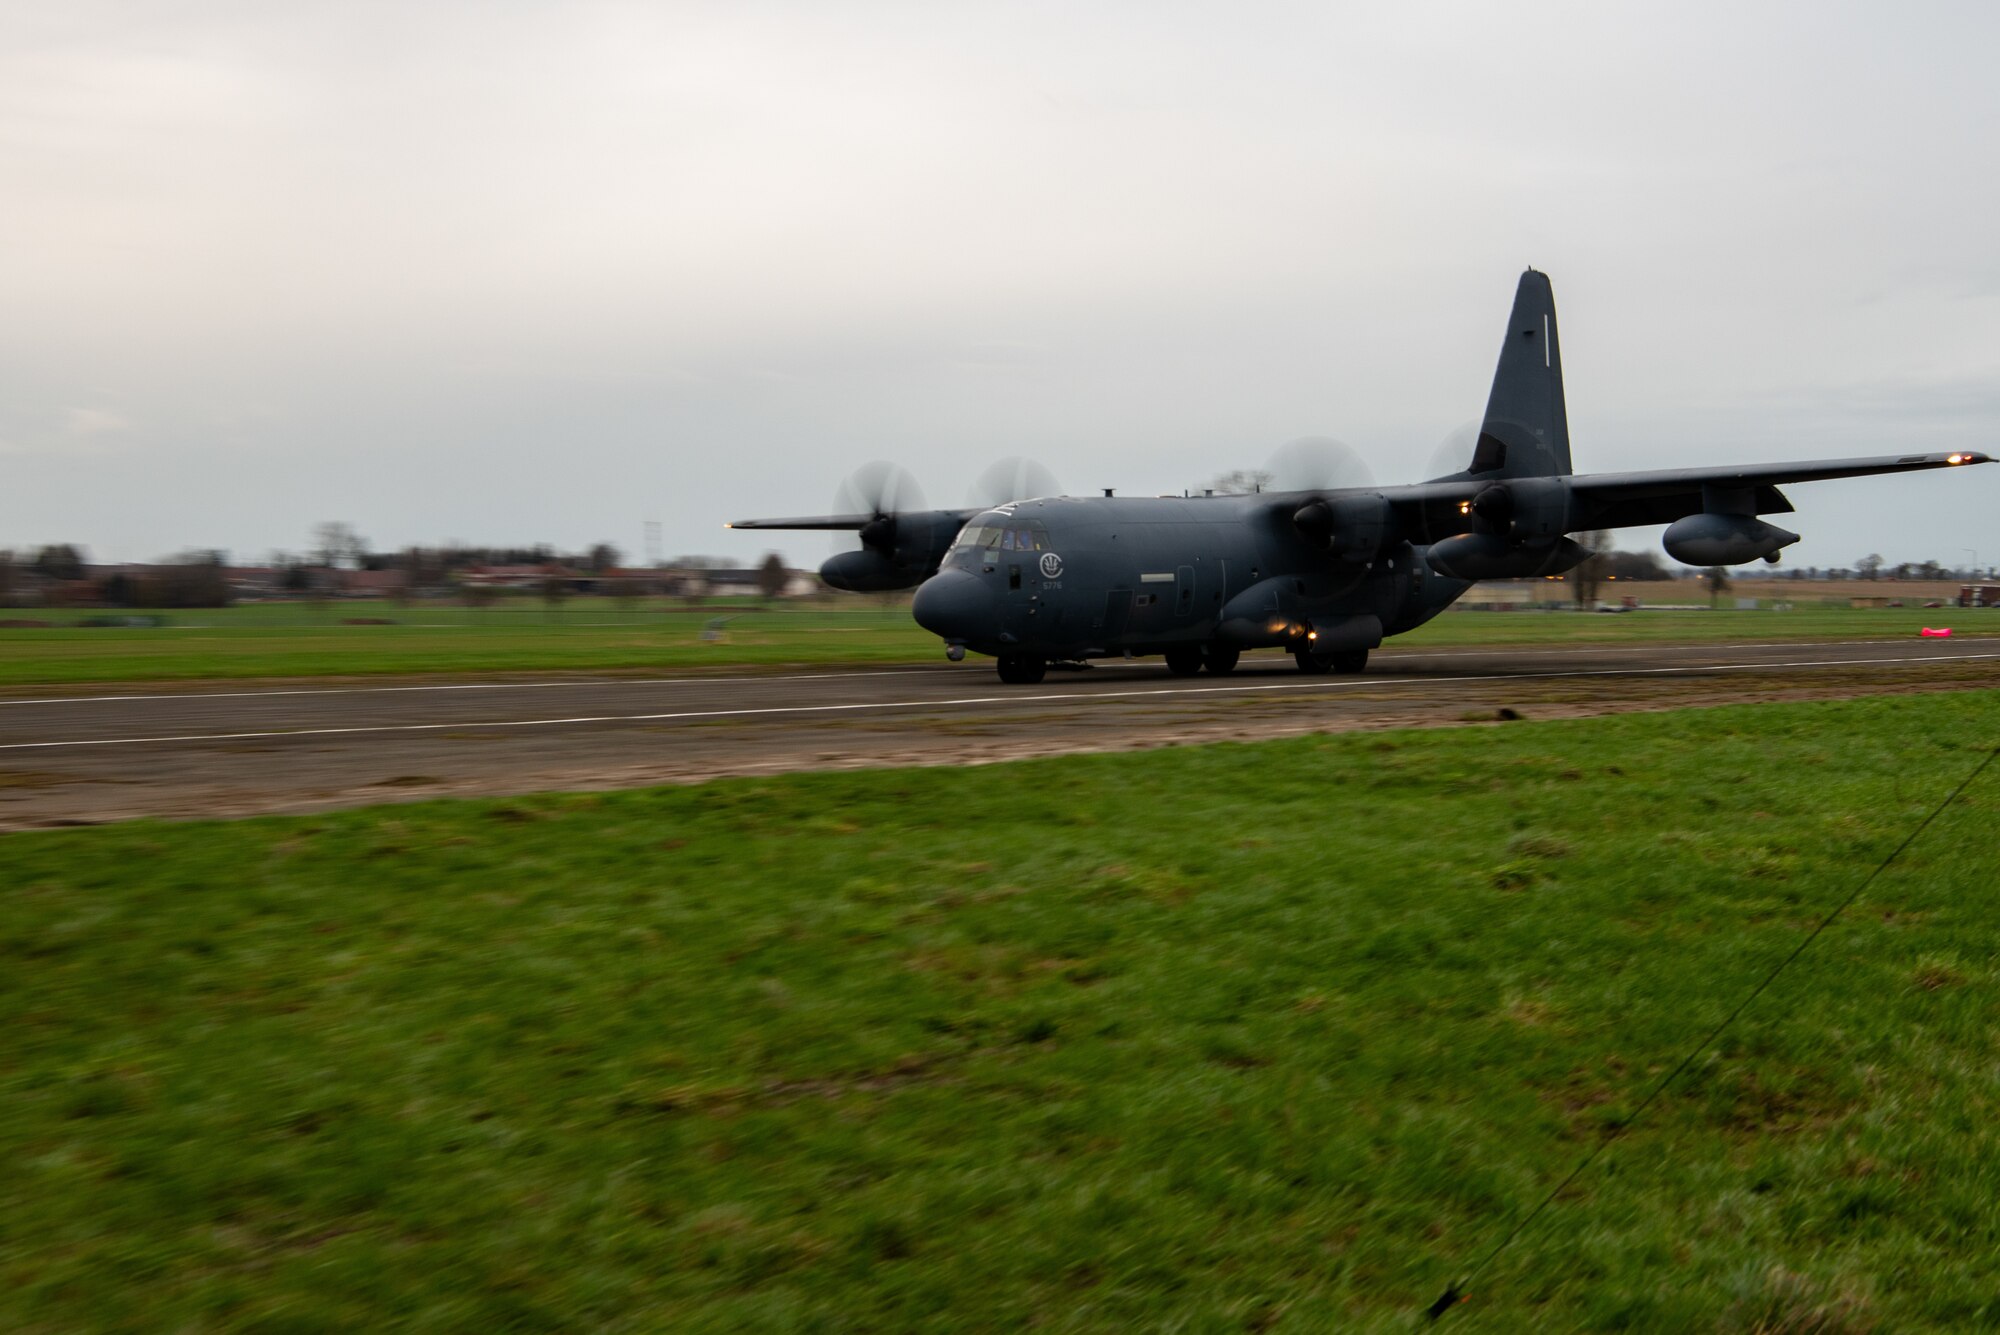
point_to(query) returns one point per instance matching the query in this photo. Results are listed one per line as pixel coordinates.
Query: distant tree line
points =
(61, 573)
(339, 560)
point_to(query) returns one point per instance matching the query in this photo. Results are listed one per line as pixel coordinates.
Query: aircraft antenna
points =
(1459, 1290)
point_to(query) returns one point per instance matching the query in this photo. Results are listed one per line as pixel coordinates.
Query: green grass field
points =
(290, 640)
(1237, 1037)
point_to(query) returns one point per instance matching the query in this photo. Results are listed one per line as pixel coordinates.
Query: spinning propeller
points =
(1454, 453)
(1318, 463)
(1011, 479)
(881, 491)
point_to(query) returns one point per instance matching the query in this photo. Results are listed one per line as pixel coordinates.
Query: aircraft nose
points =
(955, 605)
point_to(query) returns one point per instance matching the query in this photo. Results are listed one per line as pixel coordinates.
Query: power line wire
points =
(1458, 1291)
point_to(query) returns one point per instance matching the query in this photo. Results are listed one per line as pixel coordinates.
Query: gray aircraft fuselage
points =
(1089, 577)
(1325, 572)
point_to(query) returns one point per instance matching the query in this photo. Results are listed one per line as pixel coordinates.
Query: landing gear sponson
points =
(1184, 661)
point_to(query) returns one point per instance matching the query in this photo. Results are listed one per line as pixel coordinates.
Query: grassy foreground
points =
(295, 640)
(1277, 1035)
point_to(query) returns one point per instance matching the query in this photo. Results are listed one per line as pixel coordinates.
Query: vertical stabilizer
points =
(1526, 429)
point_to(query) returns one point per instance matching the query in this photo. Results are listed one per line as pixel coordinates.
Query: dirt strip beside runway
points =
(235, 750)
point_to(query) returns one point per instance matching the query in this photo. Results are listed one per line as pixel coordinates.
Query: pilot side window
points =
(993, 538)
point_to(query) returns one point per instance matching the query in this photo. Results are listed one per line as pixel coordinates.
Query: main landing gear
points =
(1344, 661)
(1186, 660)
(1022, 669)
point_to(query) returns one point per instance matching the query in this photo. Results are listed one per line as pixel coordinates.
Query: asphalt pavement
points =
(219, 749)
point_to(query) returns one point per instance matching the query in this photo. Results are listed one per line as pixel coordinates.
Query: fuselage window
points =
(993, 538)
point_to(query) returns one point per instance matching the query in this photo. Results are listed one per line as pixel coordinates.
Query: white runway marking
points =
(454, 686)
(1400, 654)
(1316, 684)
(1396, 654)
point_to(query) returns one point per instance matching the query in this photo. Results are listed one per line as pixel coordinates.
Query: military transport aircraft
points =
(1324, 572)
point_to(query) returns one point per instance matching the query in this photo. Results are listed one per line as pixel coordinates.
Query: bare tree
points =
(191, 579)
(1636, 565)
(1869, 566)
(1590, 571)
(1241, 481)
(336, 543)
(1716, 578)
(603, 558)
(59, 560)
(772, 576)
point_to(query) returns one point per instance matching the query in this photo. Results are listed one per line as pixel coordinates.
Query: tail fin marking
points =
(1525, 432)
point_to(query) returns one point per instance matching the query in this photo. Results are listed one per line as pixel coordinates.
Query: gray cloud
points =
(516, 271)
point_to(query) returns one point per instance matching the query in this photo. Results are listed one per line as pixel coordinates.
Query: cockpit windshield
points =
(1014, 537)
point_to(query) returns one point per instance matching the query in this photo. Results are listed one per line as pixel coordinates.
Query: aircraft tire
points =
(1351, 660)
(1022, 669)
(1312, 664)
(1220, 660)
(1184, 662)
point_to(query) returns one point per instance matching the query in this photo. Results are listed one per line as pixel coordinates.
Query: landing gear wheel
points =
(1022, 669)
(1351, 660)
(1311, 663)
(1184, 662)
(1220, 661)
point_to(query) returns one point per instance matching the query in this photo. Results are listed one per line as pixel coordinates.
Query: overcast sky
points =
(500, 271)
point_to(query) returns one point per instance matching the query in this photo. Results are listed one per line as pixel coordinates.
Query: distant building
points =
(526, 578)
(373, 583)
(1979, 595)
(745, 582)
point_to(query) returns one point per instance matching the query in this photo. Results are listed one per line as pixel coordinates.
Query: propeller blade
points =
(1318, 463)
(1011, 479)
(880, 489)
(1454, 453)
(1452, 457)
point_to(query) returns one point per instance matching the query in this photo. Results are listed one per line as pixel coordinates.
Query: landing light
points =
(1956, 458)
(1312, 634)
(1465, 507)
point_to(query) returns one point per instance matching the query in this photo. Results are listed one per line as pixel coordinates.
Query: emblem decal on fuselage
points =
(1051, 566)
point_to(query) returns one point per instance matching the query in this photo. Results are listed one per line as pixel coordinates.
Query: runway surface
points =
(228, 749)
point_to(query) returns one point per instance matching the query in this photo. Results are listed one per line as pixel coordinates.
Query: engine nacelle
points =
(1353, 528)
(1724, 540)
(1476, 556)
(898, 551)
(869, 571)
(1533, 511)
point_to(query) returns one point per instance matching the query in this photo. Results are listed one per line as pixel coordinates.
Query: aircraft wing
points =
(1660, 496)
(809, 521)
(843, 521)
